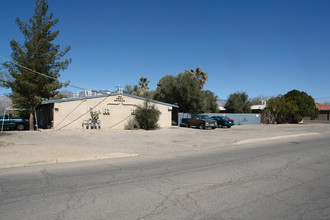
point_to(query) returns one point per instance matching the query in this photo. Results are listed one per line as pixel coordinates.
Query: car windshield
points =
(1, 116)
(205, 117)
(225, 118)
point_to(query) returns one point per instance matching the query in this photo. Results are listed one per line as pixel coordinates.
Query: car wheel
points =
(187, 125)
(201, 126)
(20, 127)
(228, 126)
(213, 127)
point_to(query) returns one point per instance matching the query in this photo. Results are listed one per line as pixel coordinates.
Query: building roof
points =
(100, 96)
(258, 107)
(322, 107)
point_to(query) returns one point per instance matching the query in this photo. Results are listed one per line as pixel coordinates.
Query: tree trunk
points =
(31, 124)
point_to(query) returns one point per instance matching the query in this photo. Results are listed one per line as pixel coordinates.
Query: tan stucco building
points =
(115, 111)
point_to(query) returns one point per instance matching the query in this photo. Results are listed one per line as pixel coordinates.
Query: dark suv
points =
(200, 121)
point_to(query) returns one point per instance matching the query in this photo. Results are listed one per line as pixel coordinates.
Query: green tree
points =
(273, 108)
(201, 76)
(2, 78)
(166, 90)
(292, 107)
(210, 101)
(182, 90)
(39, 54)
(185, 91)
(281, 109)
(142, 92)
(130, 89)
(238, 102)
(144, 82)
(305, 103)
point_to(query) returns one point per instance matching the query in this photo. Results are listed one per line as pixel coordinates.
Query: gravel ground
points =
(41, 147)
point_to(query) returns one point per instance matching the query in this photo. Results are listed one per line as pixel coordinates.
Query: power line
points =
(77, 86)
(323, 98)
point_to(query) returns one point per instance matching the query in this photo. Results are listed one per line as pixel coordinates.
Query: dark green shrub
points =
(147, 116)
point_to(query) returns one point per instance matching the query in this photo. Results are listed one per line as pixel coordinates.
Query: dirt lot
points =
(47, 146)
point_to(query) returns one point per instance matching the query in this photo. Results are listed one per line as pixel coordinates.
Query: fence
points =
(239, 119)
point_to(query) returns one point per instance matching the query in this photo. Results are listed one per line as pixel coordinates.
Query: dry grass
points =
(5, 144)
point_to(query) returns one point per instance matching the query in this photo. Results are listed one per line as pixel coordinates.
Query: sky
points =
(261, 47)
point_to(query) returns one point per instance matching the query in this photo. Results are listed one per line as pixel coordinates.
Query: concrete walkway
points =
(44, 147)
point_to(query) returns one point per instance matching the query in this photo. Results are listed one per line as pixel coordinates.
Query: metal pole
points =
(35, 115)
(3, 120)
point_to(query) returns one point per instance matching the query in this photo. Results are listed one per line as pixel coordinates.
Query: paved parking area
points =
(41, 147)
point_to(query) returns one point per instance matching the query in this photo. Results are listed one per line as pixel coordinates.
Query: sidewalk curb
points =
(257, 140)
(68, 160)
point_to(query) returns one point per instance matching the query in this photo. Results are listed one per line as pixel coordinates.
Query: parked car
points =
(11, 121)
(200, 121)
(223, 121)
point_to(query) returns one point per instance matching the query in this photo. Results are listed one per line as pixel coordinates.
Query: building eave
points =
(100, 96)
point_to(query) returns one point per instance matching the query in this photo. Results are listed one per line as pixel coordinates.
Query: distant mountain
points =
(4, 102)
(221, 102)
(67, 93)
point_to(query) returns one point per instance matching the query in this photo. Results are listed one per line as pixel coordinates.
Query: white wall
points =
(71, 114)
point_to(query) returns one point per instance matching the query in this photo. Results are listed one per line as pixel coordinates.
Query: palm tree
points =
(201, 76)
(144, 82)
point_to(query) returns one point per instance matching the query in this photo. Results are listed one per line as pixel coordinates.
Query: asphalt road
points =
(287, 179)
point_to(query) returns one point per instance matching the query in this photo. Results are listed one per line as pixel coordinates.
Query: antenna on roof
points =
(120, 90)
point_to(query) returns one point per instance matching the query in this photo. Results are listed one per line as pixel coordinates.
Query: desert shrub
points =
(94, 114)
(147, 116)
(132, 124)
